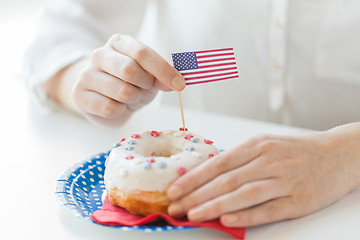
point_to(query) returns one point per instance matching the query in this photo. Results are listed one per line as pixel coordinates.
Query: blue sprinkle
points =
(221, 150)
(118, 144)
(147, 165)
(189, 148)
(161, 164)
(194, 139)
(129, 148)
(132, 141)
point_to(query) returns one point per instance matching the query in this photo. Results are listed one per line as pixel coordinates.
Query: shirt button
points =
(279, 24)
(276, 66)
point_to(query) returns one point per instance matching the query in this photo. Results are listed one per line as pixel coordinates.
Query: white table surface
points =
(37, 147)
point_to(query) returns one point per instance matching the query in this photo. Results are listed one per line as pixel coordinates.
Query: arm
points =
(119, 78)
(271, 178)
(70, 62)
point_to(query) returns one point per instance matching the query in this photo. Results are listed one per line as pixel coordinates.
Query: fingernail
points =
(174, 192)
(229, 219)
(196, 215)
(175, 209)
(178, 83)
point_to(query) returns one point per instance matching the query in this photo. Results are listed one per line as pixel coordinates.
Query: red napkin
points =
(116, 216)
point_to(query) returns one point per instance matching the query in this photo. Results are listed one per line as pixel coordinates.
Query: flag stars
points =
(185, 61)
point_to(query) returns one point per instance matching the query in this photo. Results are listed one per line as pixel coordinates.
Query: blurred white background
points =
(18, 24)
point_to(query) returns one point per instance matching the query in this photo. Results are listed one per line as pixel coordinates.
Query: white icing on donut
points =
(168, 152)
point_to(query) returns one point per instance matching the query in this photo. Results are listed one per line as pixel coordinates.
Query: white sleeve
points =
(71, 30)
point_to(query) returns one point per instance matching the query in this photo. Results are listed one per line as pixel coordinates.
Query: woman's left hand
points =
(270, 178)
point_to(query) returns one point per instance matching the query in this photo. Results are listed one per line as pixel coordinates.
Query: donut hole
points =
(165, 153)
(165, 149)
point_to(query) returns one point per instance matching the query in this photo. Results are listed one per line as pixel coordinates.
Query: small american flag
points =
(206, 66)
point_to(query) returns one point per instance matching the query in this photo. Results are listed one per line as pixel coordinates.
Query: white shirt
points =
(299, 61)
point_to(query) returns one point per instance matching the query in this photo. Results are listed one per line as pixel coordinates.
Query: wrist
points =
(59, 87)
(344, 143)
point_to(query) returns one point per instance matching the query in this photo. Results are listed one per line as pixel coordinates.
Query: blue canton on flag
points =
(185, 61)
(206, 65)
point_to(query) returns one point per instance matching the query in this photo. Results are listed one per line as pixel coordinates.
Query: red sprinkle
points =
(135, 135)
(211, 155)
(207, 141)
(122, 140)
(129, 157)
(150, 160)
(183, 129)
(155, 133)
(188, 136)
(181, 171)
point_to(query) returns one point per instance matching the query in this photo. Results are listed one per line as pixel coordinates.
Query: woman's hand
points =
(123, 76)
(271, 178)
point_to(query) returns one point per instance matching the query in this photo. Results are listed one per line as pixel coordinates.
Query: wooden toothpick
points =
(182, 111)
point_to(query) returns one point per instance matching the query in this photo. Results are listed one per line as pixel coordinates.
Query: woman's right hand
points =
(122, 76)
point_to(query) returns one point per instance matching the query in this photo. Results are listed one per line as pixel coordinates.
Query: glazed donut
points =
(140, 168)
